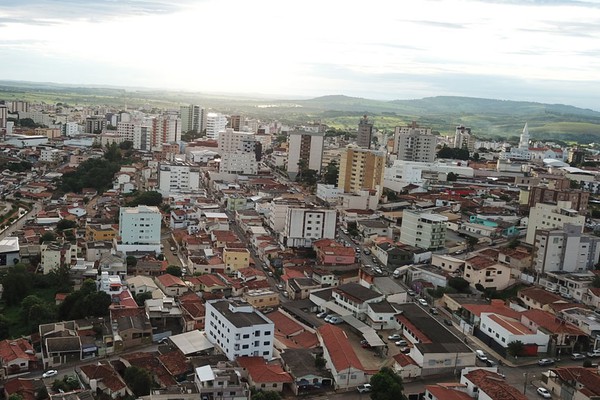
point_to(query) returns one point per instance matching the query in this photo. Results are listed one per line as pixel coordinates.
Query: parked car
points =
(423, 302)
(335, 320)
(593, 353)
(490, 363)
(544, 393)
(577, 356)
(367, 252)
(545, 361)
(411, 293)
(434, 311)
(322, 314)
(402, 342)
(395, 336)
(49, 373)
(480, 355)
(448, 322)
(405, 350)
(364, 388)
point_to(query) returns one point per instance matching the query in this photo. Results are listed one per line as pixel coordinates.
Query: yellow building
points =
(361, 169)
(262, 298)
(100, 232)
(235, 258)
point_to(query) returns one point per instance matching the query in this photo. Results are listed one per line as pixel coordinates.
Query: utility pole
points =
(525, 383)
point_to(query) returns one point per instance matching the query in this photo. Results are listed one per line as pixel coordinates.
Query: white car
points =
(395, 336)
(49, 373)
(544, 393)
(423, 302)
(593, 353)
(364, 388)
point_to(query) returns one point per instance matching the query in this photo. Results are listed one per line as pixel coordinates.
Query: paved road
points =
(18, 224)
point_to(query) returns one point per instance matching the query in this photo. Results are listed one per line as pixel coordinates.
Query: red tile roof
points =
(105, 374)
(512, 325)
(339, 348)
(444, 393)
(496, 308)
(168, 280)
(494, 385)
(551, 323)
(540, 295)
(11, 350)
(480, 262)
(261, 372)
(588, 377)
(404, 360)
(175, 362)
(283, 324)
(306, 340)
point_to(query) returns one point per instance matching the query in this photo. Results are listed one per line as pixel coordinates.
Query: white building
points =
(277, 211)
(504, 330)
(305, 146)
(403, 173)
(215, 123)
(305, 225)
(566, 249)
(178, 177)
(551, 216)
(72, 129)
(193, 118)
(50, 155)
(9, 251)
(464, 139)
(328, 193)
(522, 151)
(238, 329)
(423, 229)
(413, 143)
(139, 229)
(55, 255)
(238, 152)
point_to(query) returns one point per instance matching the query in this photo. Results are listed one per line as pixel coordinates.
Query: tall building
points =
(215, 123)
(238, 152)
(18, 106)
(238, 329)
(552, 216)
(3, 116)
(94, 124)
(166, 128)
(566, 249)
(193, 118)
(413, 143)
(423, 229)
(520, 152)
(305, 146)
(577, 198)
(361, 169)
(365, 133)
(303, 226)
(139, 229)
(463, 139)
(235, 122)
(178, 177)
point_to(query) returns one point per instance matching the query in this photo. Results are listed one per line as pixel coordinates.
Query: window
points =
(246, 336)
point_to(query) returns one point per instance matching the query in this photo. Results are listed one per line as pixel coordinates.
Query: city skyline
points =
(543, 51)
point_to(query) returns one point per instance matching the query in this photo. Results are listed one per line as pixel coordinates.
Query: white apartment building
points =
(139, 229)
(215, 123)
(423, 229)
(305, 146)
(137, 132)
(464, 139)
(277, 211)
(55, 255)
(305, 225)
(237, 151)
(566, 249)
(551, 216)
(71, 129)
(413, 143)
(238, 329)
(179, 177)
(328, 193)
(51, 155)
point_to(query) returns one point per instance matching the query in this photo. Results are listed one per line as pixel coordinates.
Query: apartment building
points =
(166, 128)
(539, 194)
(238, 152)
(463, 139)
(365, 133)
(139, 229)
(303, 226)
(193, 118)
(55, 255)
(361, 169)
(413, 143)
(215, 123)
(566, 249)
(306, 147)
(178, 177)
(423, 229)
(238, 329)
(552, 216)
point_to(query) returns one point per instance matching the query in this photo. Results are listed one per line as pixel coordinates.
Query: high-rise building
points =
(552, 216)
(235, 122)
(577, 198)
(463, 139)
(306, 147)
(139, 229)
(423, 229)
(365, 133)
(215, 123)
(238, 152)
(95, 124)
(303, 226)
(193, 118)
(361, 169)
(413, 143)
(178, 177)
(3, 116)
(166, 128)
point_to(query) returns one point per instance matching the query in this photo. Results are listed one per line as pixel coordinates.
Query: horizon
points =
(504, 50)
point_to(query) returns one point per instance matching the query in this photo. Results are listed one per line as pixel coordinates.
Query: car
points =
(402, 343)
(163, 340)
(358, 250)
(545, 361)
(448, 322)
(367, 252)
(577, 356)
(322, 314)
(593, 353)
(270, 273)
(434, 311)
(490, 363)
(280, 286)
(335, 320)
(49, 373)
(422, 302)
(543, 392)
(411, 293)
(366, 388)
(480, 355)
(394, 337)
(405, 350)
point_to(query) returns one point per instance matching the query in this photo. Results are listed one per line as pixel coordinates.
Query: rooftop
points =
(239, 319)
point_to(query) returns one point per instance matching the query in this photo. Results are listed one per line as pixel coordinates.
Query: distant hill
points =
(488, 118)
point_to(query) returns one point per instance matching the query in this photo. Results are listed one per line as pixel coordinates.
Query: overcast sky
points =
(546, 51)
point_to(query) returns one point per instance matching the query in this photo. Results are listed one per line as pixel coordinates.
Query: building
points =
(500, 330)
(193, 118)
(485, 384)
(345, 366)
(95, 124)
(55, 255)
(238, 329)
(304, 149)
(412, 143)
(9, 251)
(574, 382)
(578, 198)
(177, 177)
(365, 133)
(566, 249)
(166, 128)
(520, 153)
(463, 139)
(484, 271)
(215, 123)
(305, 225)
(239, 152)
(423, 229)
(235, 258)
(139, 228)
(552, 216)
(361, 169)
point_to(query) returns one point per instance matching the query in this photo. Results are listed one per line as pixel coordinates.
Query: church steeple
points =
(524, 141)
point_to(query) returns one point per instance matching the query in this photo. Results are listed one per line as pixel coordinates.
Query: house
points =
(130, 327)
(564, 337)
(574, 382)
(380, 315)
(592, 297)
(60, 343)
(176, 364)
(406, 367)
(17, 355)
(330, 252)
(263, 375)
(171, 285)
(346, 369)
(370, 228)
(499, 331)
(537, 298)
(490, 274)
(446, 392)
(141, 284)
(27, 389)
(353, 298)
(261, 298)
(101, 377)
(486, 384)
(300, 363)
(299, 288)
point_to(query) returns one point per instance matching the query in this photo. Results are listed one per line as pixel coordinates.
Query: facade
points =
(463, 139)
(238, 329)
(215, 123)
(238, 152)
(504, 330)
(486, 272)
(413, 143)
(261, 298)
(9, 251)
(340, 358)
(365, 133)
(165, 129)
(94, 124)
(423, 229)
(178, 177)
(361, 169)
(305, 225)
(307, 147)
(235, 258)
(578, 198)
(550, 216)
(566, 249)
(193, 118)
(139, 228)
(55, 255)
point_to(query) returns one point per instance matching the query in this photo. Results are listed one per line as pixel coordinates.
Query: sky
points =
(532, 50)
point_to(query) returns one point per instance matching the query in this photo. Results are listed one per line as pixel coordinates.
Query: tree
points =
(174, 270)
(514, 242)
(138, 380)
(47, 237)
(452, 177)
(460, 284)
(17, 284)
(330, 176)
(141, 298)
(15, 396)
(386, 385)
(471, 242)
(452, 153)
(4, 327)
(149, 198)
(320, 362)
(515, 348)
(266, 395)
(596, 281)
(131, 262)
